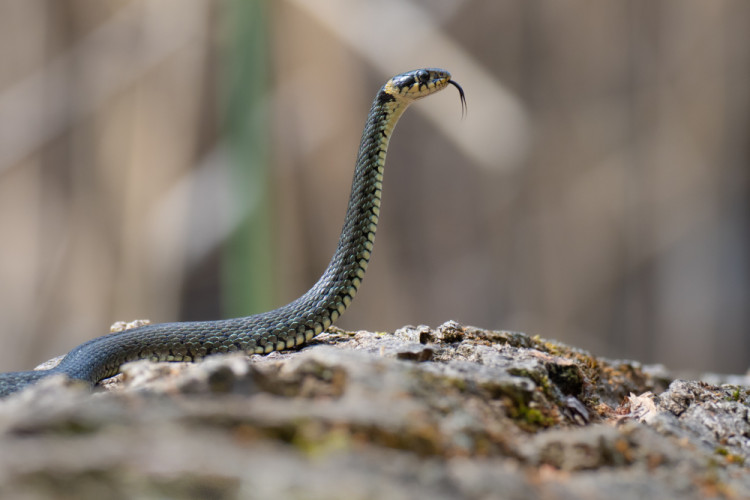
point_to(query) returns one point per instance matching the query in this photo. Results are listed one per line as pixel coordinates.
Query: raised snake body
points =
(289, 325)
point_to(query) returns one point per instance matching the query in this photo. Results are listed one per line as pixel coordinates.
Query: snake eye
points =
(423, 75)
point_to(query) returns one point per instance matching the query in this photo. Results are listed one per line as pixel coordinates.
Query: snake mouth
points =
(464, 108)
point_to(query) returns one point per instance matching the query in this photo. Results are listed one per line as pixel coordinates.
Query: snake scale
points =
(290, 325)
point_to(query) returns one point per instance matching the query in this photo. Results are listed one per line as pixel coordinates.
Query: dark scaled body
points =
(289, 325)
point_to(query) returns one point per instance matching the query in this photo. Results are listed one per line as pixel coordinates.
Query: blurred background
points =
(191, 159)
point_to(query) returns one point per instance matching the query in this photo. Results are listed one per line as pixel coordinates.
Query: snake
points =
(290, 325)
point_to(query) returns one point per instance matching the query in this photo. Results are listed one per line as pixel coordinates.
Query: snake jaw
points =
(420, 83)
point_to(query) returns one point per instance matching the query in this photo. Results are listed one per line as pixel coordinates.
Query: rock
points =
(450, 412)
(715, 419)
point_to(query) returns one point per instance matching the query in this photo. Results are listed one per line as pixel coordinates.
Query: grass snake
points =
(290, 325)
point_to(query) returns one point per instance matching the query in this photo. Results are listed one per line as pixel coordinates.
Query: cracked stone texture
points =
(450, 412)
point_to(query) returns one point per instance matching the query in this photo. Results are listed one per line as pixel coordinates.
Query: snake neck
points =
(334, 291)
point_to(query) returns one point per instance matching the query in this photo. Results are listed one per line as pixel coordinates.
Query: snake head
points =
(420, 83)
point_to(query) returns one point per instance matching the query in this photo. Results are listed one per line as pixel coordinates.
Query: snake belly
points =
(290, 325)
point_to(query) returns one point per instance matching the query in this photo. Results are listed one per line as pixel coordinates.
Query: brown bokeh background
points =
(191, 159)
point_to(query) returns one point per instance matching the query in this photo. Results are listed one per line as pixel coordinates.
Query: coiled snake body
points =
(289, 325)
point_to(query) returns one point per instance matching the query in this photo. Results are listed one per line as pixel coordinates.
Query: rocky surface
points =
(451, 412)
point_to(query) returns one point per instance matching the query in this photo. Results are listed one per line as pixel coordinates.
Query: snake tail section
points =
(290, 325)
